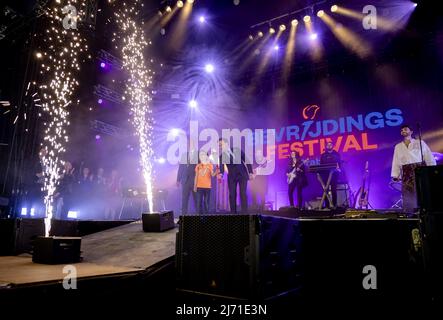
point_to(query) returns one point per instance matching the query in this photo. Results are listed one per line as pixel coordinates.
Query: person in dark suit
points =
(299, 181)
(185, 178)
(239, 172)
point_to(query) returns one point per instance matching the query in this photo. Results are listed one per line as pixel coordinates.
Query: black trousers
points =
(291, 190)
(242, 182)
(203, 196)
(187, 190)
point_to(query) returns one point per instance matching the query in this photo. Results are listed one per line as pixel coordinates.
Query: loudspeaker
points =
(429, 182)
(56, 250)
(16, 235)
(237, 256)
(157, 222)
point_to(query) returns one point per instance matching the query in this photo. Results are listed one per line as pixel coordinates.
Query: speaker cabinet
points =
(158, 222)
(17, 235)
(429, 182)
(238, 256)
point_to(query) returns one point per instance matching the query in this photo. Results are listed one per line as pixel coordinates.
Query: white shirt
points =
(410, 154)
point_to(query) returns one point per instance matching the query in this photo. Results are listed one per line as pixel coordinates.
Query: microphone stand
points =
(420, 140)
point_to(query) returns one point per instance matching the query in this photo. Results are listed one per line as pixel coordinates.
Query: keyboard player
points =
(330, 156)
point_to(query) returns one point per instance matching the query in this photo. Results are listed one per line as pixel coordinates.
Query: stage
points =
(206, 153)
(124, 250)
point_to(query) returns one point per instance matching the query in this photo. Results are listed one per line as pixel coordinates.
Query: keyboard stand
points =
(325, 189)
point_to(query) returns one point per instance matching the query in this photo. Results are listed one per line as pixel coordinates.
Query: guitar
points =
(293, 174)
(364, 189)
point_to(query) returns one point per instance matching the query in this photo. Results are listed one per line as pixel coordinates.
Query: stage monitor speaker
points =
(158, 221)
(56, 250)
(16, 235)
(429, 182)
(237, 256)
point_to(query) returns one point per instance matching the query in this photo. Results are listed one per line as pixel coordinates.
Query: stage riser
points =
(325, 258)
(336, 251)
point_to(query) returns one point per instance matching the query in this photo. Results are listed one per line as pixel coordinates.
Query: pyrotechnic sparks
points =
(63, 44)
(133, 46)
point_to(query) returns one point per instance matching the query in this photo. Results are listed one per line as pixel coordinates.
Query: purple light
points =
(209, 68)
(202, 19)
(276, 47)
(175, 132)
(193, 104)
(98, 137)
(103, 65)
(100, 101)
(313, 36)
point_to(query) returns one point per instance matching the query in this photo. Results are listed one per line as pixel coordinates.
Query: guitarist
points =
(296, 173)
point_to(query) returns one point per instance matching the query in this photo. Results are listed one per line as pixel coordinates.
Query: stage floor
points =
(124, 249)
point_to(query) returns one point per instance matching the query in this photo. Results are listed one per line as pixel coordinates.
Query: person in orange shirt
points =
(202, 182)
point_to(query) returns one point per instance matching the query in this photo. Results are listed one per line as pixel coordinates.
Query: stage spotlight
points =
(202, 19)
(313, 36)
(38, 55)
(321, 13)
(190, 1)
(251, 37)
(168, 9)
(306, 18)
(98, 137)
(32, 213)
(271, 30)
(415, 4)
(174, 132)
(103, 65)
(209, 68)
(294, 22)
(282, 27)
(72, 214)
(161, 160)
(180, 4)
(193, 103)
(276, 47)
(334, 8)
(100, 101)
(260, 34)
(24, 212)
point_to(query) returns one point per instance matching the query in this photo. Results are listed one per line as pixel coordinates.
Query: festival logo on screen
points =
(310, 111)
(348, 133)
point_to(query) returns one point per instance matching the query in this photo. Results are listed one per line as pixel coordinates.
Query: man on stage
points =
(186, 177)
(408, 152)
(238, 174)
(330, 156)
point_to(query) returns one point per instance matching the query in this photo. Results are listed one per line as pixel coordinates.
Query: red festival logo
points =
(310, 111)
